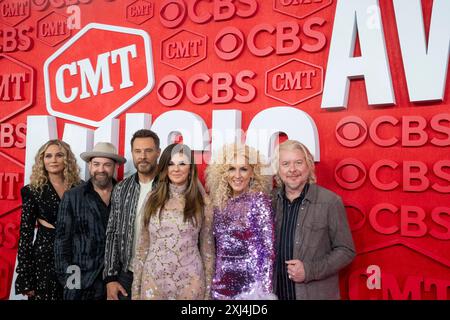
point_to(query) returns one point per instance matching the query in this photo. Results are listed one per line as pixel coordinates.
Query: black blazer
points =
(81, 235)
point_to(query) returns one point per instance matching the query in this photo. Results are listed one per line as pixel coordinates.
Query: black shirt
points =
(81, 234)
(286, 287)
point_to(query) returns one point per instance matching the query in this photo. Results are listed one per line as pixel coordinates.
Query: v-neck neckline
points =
(54, 190)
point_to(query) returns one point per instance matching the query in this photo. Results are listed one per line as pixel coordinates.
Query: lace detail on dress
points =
(169, 264)
(176, 200)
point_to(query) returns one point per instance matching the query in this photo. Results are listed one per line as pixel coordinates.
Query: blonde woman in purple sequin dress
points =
(175, 254)
(243, 225)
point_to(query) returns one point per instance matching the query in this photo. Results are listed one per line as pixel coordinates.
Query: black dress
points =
(36, 263)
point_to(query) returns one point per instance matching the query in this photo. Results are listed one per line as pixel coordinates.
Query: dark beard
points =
(150, 170)
(101, 183)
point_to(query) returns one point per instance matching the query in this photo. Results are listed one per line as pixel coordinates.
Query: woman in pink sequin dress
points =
(243, 225)
(175, 254)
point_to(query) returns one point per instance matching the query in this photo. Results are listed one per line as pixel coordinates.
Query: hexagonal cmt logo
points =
(16, 87)
(294, 81)
(12, 12)
(52, 29)
(140, 11)
(417, 283)
(90, 81)
(11, 178)
(183, 49)
(300, 8)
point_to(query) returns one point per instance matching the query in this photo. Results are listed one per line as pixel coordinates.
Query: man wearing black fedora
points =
(81, 227)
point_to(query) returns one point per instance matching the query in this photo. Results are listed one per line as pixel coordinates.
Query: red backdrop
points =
(397, 195)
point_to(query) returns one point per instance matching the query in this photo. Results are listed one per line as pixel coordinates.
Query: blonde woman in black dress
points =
(55, 170)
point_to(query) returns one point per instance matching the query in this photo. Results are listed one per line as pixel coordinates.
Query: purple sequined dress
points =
(244, 237)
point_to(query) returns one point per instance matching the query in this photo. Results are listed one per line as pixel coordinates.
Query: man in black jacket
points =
(81, 227)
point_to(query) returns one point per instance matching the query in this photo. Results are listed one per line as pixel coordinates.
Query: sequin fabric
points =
(169, 263)
(244, 236)
(36, 265)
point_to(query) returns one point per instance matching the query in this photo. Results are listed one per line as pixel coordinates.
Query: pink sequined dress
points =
(244, 235)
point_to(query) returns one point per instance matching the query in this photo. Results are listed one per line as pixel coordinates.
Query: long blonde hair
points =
(194, 203)
(217, 173)
(39, 175)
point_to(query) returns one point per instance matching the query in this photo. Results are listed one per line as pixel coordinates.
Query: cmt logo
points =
(294, 81)
(16, 87)
(183, 49)
(52, 29)
(300, 8)
(12, 12)
(140, 11)
(423, 275)
(90, 81)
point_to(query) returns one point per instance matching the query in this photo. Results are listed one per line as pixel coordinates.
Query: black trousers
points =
(125, 280)
(97, 291)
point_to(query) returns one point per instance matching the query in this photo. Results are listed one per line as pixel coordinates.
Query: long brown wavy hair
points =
(194, 203)
(71, 173)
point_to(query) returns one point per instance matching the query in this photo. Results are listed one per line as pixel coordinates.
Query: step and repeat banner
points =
(363, 83)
